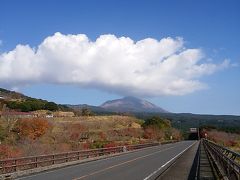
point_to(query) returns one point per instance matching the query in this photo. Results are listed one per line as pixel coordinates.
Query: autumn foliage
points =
(156, 128)
(36, 136)
(230, 140)
(31, 128)
(7, 151)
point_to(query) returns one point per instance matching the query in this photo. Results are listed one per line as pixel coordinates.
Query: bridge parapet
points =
(225, 161)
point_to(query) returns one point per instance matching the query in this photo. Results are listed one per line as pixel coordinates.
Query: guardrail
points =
(226, 161)
(25, 163)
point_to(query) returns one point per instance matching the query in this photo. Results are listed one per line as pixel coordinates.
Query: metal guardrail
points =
(25, 163)
(226, 161)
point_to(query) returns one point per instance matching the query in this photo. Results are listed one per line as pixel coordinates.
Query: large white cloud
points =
(146, 67)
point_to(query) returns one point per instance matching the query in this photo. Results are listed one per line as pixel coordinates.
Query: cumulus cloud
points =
(148, 67)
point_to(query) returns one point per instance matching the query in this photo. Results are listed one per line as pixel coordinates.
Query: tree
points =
(152, 132)
(25, 107)
(86, 112)
(31, 128)
(12, 104)
(158, 128)
(51, 106)
(36, 104)
(157, 122)
(10, 120)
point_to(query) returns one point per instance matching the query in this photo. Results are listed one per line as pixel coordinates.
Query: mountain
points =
(131, 104)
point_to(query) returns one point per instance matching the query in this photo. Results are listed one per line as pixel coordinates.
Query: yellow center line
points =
(116, 165)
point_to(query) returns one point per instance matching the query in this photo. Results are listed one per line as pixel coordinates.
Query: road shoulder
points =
(182, 167)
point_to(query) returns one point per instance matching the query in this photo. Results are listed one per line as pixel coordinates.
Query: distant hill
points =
(6, 94)
(19, 102)
(82, 106)
(131, 104)
(184, 121)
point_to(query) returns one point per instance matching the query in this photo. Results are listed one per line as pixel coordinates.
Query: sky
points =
(181, 55)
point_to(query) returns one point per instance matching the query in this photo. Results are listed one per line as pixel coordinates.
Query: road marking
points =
(116, 165)
(156, 171)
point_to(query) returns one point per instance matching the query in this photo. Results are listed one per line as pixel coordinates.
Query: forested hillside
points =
(20, 102)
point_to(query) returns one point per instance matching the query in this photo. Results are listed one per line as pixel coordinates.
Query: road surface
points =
(144, 164)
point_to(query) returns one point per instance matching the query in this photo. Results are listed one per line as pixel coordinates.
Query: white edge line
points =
(179, 154)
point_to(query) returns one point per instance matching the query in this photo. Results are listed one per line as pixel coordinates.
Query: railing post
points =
(3, 167)
(124, 149)
(15, 163)
(78, 155)
(53, 159)
(66, 157)
(36, 162)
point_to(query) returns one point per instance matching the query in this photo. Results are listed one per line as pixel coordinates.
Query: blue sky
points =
(212, 26)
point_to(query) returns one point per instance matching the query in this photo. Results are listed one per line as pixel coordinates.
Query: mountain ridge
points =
(131, 104)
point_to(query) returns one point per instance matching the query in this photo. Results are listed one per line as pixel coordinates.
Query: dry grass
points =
(101, 123)
(230, 140)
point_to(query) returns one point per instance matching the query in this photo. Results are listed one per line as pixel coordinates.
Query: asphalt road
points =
(145, 164)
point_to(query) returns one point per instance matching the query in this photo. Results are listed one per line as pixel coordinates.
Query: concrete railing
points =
(26, 163)
(226, 161)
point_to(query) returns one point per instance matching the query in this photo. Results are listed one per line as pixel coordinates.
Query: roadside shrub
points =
(31, 128)
(7, 151)
(110, 144)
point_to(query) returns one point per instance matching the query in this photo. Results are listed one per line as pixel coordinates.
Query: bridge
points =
(173, 160)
